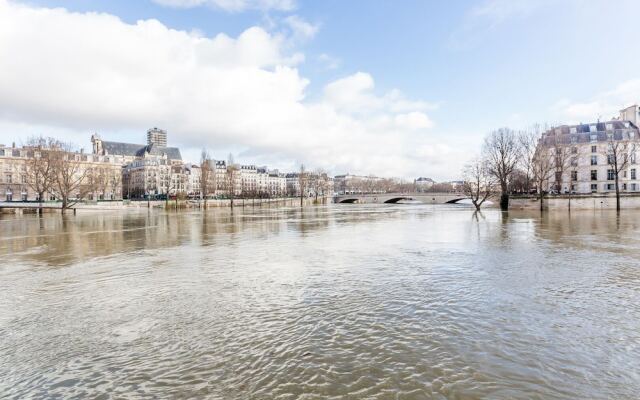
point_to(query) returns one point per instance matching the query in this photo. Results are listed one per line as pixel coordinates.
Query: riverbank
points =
(17, 207)
(595, 201)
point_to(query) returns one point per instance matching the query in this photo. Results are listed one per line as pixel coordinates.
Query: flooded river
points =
(339, 302)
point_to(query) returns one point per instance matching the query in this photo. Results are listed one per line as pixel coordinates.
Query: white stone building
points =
(587, 149)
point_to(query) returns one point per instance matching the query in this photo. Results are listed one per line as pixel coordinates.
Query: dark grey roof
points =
(173, 153)
(121, 149)
(138, 150)
(583, 135)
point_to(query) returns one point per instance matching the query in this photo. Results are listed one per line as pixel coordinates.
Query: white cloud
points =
(604, 105)
(329, 61)
(232, 5)
(86, 72)
(301, 29)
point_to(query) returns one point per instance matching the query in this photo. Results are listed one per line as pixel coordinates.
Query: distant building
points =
(423, 184)
(129, 152)
(157, 136)
(353, 184)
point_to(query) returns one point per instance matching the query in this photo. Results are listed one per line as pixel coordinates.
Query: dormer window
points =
(593, 128)
(609, 127)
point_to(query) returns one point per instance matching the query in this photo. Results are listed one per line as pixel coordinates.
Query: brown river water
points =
(334, 302)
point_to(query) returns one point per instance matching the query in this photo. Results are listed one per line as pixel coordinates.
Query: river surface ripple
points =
(338, 302)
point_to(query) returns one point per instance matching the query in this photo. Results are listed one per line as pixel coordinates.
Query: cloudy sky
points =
(401, 89)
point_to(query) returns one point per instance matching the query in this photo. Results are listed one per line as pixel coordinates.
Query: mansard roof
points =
(138, 150)
(582, 133)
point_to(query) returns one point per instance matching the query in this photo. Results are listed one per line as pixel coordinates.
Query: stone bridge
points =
(380, 198)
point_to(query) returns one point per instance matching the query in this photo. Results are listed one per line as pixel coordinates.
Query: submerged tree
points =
(478, 182)
(543, 167)
(617, 153)
(502, 151)
(40, 168)
(70, 175)
(302, 182)
(232, 176)
(205, 176)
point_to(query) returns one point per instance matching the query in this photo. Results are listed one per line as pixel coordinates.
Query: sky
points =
(395, 89)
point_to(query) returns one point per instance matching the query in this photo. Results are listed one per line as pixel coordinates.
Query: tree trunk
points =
(541, 201)
(40, 196)
(617, 194)
(504, 201)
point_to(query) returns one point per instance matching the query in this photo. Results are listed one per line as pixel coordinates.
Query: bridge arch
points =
(349, 201)
(397, 199)
(455, 201)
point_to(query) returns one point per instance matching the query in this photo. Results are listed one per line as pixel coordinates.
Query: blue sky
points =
(417, 83)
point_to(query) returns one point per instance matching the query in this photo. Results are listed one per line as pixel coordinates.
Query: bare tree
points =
(617, 153)
(528, 140)
(40, 171)
(115, 182)
(561, 162)
(70, 175)
(319, 183)
(205, 176)
(302, 182)
(543, 167)
(478, 182)
(502, 152)
(232, 176)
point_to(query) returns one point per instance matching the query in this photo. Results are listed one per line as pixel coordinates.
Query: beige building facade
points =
(586, 162)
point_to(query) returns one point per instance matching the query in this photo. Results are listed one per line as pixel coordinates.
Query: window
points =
(594, 149)
(609, 127)
(572, 129)
(624, 174)
(609, 136)
(574, 161)
(610, 175)
(632, 157)
(594, 187)
(624, 186)
(593, 138)
(634, 187)
(594, 174)
(593, 128)
(574, 150)
(611, 159)
(594, 160)
(7, 178)
(633, 173)
(574, 175)
(610, 186)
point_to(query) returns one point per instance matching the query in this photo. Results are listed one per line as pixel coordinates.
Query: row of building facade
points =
(116, 170)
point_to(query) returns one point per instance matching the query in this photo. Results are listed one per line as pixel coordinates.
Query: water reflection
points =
(403, 301)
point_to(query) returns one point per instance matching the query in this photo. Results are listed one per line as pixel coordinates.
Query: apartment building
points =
(587, 148)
